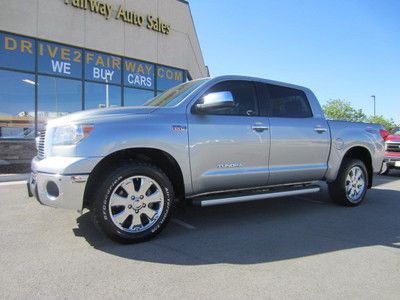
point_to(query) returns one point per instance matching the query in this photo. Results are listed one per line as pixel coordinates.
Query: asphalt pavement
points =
(297, 247)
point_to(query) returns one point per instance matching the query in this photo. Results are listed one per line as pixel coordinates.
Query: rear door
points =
(229, 147)
(299, 141)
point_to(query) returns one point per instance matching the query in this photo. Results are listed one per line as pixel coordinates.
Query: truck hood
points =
(101, 113)
(393, 137)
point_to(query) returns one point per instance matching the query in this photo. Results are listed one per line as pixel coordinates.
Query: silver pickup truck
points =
(205, 142)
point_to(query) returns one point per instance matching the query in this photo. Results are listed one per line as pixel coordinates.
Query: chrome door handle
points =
(320, 129)
(259, 128)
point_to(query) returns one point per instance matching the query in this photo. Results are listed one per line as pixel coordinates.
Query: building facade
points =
(62, 56)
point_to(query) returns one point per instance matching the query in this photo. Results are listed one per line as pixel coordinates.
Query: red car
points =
(392, 154)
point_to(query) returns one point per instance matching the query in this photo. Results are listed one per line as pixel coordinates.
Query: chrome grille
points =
(392, 147)
(40, 144)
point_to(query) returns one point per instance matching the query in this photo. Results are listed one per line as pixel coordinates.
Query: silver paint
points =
(268, 151)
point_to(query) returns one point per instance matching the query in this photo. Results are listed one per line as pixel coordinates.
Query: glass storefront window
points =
(168, 78)
(17, 52)
(102, 67)
(57, 97)
(17, 105)
(98, 95)
(62, 72)
(136, 97)
(59, 60)
(138, 74)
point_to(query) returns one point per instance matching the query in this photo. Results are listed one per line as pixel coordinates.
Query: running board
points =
(234, 198)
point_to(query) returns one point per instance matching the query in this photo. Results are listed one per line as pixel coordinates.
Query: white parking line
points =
(13, 183)
(183, 224)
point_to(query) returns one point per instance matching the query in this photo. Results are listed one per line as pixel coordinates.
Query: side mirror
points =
(217, 100)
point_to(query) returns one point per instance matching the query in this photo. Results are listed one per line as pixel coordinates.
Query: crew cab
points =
(392, 153)
(205, 142)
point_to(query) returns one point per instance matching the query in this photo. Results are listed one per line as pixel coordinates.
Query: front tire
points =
(351, 185)
(133, 202)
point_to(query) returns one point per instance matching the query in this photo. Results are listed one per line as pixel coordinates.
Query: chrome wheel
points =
(355, 184)
(136, 204)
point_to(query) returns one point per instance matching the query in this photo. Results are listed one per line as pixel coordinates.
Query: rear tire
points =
(133, 202)
(351, 184)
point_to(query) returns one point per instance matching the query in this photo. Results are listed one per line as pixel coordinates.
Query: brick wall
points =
(15, 156)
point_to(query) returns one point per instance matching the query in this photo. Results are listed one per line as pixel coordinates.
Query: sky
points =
(343, 49)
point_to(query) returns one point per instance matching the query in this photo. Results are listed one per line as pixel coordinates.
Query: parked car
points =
(205, 142)
(392, 153)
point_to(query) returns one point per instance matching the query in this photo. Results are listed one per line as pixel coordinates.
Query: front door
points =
(229, 148)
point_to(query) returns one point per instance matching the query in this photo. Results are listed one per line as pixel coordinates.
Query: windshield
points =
(395, 130)
(175, 95)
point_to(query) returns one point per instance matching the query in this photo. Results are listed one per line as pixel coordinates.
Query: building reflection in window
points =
(57, 97)
(99, 95)
(17, 105)
(136, 97)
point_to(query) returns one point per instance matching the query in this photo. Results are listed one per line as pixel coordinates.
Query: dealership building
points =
(62, 56)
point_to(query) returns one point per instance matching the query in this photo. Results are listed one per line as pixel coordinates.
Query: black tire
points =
(337, 189)
(106, 187)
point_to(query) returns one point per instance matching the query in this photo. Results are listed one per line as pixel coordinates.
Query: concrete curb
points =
(13, 177)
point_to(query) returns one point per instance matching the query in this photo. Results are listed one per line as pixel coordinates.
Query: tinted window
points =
(283, 102)
(395, 130)
(244, 96)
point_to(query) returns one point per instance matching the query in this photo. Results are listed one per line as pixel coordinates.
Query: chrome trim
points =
(136, 204)
(264, 187)
(259, 128)
(320, 129)
(355, 184)
(258, 196)
(79, 178)
(40, 144)
(71, 193)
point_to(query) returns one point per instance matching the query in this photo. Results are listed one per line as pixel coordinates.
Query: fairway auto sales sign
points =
(22, 53)
(120, 13)
(55, 59)
(138, 74)
(102, 67)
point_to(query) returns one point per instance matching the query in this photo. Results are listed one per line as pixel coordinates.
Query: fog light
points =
(52, 189)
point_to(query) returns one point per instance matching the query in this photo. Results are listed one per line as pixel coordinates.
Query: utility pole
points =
(373, 96)
(107, 95)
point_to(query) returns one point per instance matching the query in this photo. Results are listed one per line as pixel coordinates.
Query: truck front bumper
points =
(392, 161)
(59, 188)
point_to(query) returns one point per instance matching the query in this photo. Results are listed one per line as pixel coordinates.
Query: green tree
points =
(338, 109)
(387, 123)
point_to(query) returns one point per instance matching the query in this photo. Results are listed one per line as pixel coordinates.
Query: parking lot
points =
(300, 247)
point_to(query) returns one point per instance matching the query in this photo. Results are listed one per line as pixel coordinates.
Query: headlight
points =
(71, 134)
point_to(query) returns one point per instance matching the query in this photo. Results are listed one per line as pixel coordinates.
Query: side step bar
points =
(234, 198)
